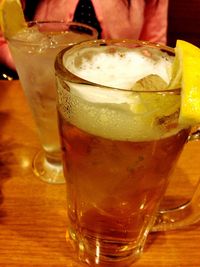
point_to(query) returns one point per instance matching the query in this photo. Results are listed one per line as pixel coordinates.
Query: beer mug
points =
(121, 140)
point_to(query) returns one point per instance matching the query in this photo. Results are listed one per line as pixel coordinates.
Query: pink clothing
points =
(144, 19)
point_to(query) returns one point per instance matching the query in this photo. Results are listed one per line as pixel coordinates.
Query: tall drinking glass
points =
(120, 141)
(34, 50)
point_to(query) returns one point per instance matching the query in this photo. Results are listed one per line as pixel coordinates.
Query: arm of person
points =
(155, 21)
(5, 55)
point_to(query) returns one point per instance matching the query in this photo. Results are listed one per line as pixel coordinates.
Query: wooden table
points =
(33, 213)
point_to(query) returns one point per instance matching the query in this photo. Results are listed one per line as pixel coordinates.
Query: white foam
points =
(117, 114)
(120, 69)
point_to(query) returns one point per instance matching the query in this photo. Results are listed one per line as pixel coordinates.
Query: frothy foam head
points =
(120, 67)
(119, 114)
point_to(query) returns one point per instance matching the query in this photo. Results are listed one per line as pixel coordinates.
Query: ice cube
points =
(152, 82)
(30, 35)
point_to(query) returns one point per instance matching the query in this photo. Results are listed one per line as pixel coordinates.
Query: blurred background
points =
(183, 23)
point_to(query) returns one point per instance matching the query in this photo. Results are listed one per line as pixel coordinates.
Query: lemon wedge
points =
(186, 75)
(11, 17)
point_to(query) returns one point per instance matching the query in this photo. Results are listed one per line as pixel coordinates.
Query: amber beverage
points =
(119, 145)
(114, 187)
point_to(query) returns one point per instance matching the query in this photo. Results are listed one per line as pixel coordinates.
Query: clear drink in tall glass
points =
(34, 50)
(120, 141)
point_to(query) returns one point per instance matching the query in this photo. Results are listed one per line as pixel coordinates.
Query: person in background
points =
(113, 19)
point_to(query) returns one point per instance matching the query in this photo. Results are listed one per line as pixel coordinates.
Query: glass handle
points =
(186, 214)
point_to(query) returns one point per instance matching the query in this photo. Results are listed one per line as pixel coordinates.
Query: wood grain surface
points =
(33, 213)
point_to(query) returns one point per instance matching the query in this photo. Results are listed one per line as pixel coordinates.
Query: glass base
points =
(50, 172)
(104, 253)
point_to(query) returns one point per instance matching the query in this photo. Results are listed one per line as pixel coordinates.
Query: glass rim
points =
(62, 71)
(42, 22)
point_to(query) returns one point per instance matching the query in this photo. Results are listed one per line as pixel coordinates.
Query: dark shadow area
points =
(184, 21)
(7, 74)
